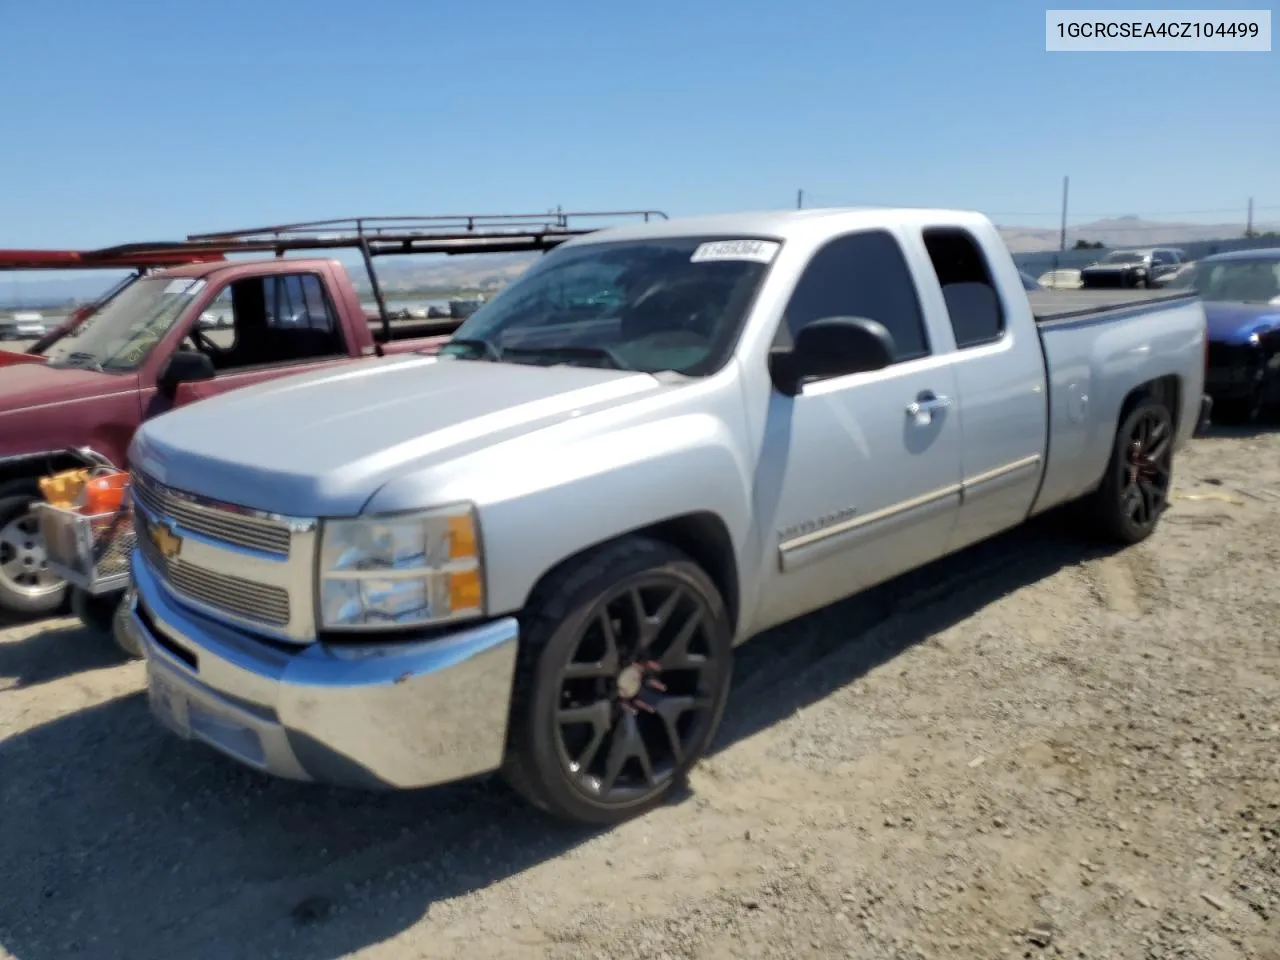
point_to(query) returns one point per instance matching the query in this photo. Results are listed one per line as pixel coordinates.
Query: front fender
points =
(539, 506)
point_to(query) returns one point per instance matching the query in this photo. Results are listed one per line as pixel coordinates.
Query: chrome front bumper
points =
(402, 715)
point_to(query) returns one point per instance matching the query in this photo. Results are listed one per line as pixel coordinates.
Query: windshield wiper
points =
(486, 348)
(80, 359)
(571, 351)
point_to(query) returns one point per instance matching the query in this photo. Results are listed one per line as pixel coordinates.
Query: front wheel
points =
(1135, 491)
(621, 681)
(28, 588)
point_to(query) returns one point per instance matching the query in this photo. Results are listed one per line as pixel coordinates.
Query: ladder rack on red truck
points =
(449, 234)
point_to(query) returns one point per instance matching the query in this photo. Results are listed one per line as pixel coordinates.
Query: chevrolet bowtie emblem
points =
(166, 541)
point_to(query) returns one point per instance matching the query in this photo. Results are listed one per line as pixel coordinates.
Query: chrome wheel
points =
(24, 566)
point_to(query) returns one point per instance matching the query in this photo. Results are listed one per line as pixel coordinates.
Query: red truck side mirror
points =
(185, 366)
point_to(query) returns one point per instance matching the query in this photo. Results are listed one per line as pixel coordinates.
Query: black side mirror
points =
(186, 366)
(832, 347)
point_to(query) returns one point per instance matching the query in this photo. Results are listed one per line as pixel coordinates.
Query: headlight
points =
(384, 572)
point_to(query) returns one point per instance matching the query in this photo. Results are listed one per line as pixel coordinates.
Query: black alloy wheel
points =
(623, 681)
(1148, 467)
(1133, 495)
(636, 694)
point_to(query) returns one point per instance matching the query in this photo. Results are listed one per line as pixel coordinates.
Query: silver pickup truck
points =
(535, 553)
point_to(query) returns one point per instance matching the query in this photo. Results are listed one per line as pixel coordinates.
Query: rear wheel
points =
(28, 588)
(1135, 491)
(622, 680)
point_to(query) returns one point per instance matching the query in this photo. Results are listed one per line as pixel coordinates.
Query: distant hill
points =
(483, 272)
(489, 272)
(1121, 232)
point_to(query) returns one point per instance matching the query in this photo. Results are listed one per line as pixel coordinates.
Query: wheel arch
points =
(701, 534)
(1166, 390)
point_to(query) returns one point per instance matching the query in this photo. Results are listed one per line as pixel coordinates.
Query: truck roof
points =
(246, 266)
(780, 224)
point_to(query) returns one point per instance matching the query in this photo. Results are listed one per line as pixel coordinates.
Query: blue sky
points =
(129, 120)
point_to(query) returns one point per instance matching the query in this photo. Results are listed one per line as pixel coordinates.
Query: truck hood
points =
(1234, 322)
(24, 386)
(322, 444)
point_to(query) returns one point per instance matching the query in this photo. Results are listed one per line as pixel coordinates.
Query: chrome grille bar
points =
(219, 522)
(251, 569)
(235, 595)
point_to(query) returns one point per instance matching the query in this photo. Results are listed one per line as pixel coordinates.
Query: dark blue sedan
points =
(1241, 294)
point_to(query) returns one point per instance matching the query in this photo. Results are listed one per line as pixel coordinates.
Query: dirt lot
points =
(1033, 749)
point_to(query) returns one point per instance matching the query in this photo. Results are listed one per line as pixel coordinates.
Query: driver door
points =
(864, 469)
(260, 328)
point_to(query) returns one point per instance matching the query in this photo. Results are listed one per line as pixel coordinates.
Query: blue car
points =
(1241, 294)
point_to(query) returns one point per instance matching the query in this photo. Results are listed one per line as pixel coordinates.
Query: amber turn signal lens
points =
(465, 591)
(462, 538)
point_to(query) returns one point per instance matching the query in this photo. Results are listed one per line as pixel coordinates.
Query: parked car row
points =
(530, 548)
(23, 325)
(1133, 268)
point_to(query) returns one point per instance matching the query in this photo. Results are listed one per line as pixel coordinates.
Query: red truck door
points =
(258, 328)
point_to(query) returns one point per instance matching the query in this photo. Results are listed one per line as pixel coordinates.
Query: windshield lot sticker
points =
(184, 286)
(759, 251)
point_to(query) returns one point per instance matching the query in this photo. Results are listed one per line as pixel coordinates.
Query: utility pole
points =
(1062, 237)
(799, 199)
(1248, 228)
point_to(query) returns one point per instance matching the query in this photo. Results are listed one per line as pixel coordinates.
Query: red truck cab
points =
(145, 352)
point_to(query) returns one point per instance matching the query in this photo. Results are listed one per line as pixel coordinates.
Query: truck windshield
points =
(1238, 281)
(1123, 256)
(647, 305)
(121, 335)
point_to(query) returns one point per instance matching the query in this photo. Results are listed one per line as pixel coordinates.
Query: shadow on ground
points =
(53, 653)
(119, 841)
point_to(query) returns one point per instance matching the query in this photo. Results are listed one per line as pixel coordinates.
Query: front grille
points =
(233, 595)
(219, 523)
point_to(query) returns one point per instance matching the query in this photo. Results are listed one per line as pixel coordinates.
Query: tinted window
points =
(861, 275)
(972, 302)
(297, 301)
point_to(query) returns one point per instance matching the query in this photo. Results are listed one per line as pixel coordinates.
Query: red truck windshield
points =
(123, 333)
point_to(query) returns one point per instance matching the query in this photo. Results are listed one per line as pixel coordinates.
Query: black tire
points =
(1134, 493)
(106, 616)
(19, 595)
(95, 613)
(122, 633)
(557, 693)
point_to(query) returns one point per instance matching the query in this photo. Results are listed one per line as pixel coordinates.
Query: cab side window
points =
(272, 320)
(860, 275)
(973, 304)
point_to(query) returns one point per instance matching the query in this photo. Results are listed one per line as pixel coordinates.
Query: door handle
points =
(927, 406)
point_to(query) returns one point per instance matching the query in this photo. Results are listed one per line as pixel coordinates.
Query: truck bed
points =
(1053, 306)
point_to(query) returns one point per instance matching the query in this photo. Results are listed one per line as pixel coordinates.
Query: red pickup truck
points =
(157, 343)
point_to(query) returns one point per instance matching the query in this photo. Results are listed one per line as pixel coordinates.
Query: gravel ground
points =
(1036, 748)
